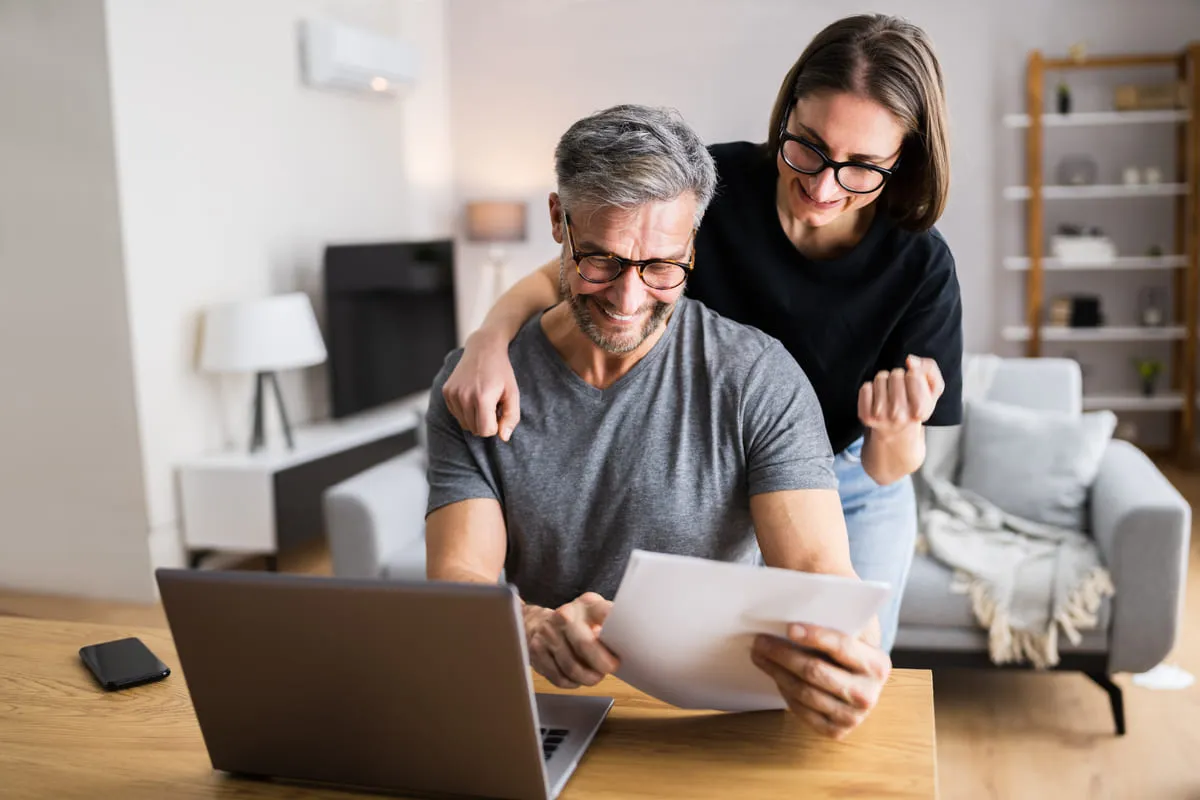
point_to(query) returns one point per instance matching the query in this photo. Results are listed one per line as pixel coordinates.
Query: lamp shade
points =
(272, 333)
(496, 221)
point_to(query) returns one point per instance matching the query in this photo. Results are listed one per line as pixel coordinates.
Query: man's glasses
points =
(806, 158)
(656, 273)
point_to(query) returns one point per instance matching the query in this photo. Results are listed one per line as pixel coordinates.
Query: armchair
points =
(1141, 524)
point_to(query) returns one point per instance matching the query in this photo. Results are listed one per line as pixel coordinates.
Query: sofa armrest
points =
(1142, 526)
(374, 515)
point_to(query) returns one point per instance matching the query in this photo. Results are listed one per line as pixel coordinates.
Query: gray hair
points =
(629, 155)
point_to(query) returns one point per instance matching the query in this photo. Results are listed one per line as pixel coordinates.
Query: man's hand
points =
(832, 683)
(897, 399)
(564, 645)
(482, 392)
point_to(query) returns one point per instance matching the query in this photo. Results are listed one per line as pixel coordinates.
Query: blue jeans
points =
(882, 523)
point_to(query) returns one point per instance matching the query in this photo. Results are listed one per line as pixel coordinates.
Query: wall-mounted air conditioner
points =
(337, 56)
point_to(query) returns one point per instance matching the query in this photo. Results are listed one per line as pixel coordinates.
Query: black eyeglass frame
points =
(626, 263)
(786, 136)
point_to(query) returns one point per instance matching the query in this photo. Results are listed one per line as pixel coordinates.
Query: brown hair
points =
(890, 61)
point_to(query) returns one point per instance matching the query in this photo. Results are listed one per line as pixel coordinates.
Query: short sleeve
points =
(457, 470)
(932, 328)
(783, 429)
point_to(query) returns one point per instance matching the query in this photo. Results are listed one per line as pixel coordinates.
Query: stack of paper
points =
(683, 627)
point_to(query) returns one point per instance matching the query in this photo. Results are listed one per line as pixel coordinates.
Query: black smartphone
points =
(122, 663)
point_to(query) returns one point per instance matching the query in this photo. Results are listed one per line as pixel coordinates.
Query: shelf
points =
(1021, 263)
(1089, 118)
(1098, 191)
(1109, 333)
(1168, 205)
(1166, 401)
(321, 439)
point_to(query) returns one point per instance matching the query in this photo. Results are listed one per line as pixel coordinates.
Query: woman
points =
(823, 238)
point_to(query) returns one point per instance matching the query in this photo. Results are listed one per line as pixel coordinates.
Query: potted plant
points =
(1148, 370)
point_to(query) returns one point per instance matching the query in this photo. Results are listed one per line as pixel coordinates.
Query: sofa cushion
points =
(929, 603)
(1037, 465)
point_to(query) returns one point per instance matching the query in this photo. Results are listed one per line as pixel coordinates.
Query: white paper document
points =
(683, 627)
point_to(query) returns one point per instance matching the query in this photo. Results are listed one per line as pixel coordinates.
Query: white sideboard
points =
(259, 503)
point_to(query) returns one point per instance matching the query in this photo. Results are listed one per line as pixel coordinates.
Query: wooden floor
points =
(1022, 735)
(1001, 735)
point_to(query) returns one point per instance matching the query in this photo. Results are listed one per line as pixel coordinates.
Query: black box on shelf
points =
(1085, 312)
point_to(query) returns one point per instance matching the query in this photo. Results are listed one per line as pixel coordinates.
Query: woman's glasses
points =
(806, 158)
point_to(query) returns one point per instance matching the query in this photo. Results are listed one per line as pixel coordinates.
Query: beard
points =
(617, 345)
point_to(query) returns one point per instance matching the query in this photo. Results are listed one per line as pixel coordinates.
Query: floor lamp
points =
(263, 337)
(493, 222)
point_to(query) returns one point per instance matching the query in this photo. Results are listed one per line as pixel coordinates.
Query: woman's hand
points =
(900, 398)
(829, 679)
(482, 391)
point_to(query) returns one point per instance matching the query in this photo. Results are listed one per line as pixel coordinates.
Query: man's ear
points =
(556, 217)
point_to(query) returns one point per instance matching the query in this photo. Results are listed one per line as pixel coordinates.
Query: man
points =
(647, 422)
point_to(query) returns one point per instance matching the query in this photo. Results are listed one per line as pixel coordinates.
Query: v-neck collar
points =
(585, 389)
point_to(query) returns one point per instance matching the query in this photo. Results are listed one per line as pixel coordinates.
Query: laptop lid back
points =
(421, 687)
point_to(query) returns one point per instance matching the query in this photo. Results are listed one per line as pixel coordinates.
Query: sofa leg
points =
(1115, 697)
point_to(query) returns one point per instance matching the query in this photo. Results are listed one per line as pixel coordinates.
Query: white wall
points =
(525, 69)
(234, 176)
(71, 492)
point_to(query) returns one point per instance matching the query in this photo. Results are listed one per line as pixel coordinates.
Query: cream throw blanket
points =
(1026, 580)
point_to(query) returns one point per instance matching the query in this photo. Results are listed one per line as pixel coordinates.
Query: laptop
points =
(416, 687)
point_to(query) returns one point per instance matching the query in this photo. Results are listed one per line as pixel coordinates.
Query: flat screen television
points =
(389, 311)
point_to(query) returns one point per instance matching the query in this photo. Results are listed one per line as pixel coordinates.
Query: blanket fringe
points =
(1007, 645)
(1084, 602)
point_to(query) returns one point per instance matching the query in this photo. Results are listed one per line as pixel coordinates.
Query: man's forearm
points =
(805, 530)
(457, 573)
(462, 574)
(889, 458)
(465, 542)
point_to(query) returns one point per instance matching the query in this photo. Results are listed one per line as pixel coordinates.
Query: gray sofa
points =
(375, 524)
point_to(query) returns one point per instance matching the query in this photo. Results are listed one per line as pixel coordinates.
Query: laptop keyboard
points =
(551, 739)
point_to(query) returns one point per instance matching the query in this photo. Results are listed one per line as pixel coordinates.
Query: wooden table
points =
(63, 737)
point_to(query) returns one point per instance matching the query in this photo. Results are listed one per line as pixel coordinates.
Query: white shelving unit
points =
(1099, 118)
(1122, 263)
(1103, 333)
(1112, 191)
(1167, 401)
(1180, 267)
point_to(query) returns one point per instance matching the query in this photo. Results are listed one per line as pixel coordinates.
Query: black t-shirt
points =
(843, 319)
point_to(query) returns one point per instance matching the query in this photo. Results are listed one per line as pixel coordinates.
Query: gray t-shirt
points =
(665, 459)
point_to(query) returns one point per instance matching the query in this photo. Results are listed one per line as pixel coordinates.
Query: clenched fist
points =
(901, 397)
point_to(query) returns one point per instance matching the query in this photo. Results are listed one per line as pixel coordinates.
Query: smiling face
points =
(619, 316)
(845, 127)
